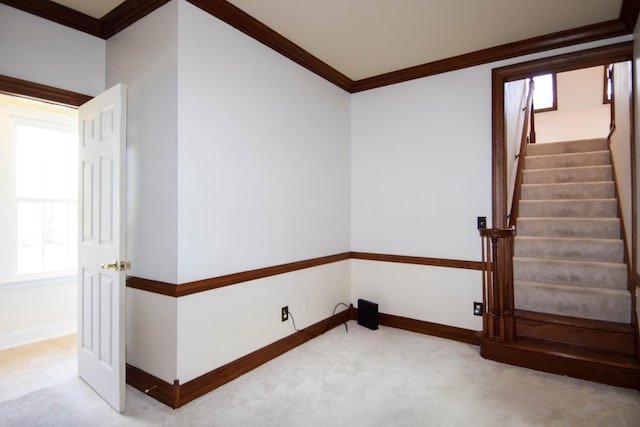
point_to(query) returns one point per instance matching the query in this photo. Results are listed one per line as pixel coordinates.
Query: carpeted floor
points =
(387, 377)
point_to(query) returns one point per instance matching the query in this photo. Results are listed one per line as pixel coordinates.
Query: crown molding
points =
(247, 24)
(58, 13)
(126, 14)
(585, 34)
(132, 10)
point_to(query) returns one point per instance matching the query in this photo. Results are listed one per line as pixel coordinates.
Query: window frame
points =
(48, 94)
(34, 120)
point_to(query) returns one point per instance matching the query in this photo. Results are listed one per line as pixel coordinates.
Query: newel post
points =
(498, 321)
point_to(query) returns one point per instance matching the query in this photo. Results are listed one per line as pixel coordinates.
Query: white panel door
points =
(102, 245)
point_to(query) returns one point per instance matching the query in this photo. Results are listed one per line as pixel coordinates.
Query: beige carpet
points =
(387, 377)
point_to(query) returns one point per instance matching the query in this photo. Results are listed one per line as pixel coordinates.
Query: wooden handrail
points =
(498, 321)
(526, 137)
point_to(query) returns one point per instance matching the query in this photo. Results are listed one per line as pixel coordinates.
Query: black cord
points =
(293, 321)
(334, 313)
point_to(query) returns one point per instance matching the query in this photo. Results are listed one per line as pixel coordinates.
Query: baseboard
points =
(167, 393)
(40, 333)
(467, 336)
(176, 395)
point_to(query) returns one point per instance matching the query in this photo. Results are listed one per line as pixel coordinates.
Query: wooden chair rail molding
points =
(131, 11)
(181, 290)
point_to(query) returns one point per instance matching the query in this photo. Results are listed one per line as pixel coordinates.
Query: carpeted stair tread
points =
(568, 160)
(606, 228)
(568, 190)
(611, 305)
(611, 275)
(570, 248)
(572, 174)
(578, 208)
(596, 144)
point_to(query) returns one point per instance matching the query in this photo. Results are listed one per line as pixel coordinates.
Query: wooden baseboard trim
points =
(466, 336)
(428, 328)
(167, 393)
(176, 395)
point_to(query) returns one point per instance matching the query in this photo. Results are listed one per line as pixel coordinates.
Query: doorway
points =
(38, 190)
(500, 76)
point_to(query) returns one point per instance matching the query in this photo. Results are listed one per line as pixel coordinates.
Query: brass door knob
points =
(111, 266)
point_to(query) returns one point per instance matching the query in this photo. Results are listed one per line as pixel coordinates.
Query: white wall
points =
(263, 154)
(222, 325)
(621, 143)
(144, 57)
(421, 174)
(37, 310)
(421, 166)
(581, 113)
(515, 99)
(264, 173)
(152, 336)
(42, 51)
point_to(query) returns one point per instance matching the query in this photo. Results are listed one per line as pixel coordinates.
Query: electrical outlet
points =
(477, 309)
(284, 313)
(482, 222)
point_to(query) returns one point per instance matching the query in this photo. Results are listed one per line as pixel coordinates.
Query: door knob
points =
(111, 266)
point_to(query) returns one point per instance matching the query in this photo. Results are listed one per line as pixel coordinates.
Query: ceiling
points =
(365, 38)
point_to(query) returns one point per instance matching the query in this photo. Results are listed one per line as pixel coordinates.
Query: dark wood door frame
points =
(40, 92)
(571, 61)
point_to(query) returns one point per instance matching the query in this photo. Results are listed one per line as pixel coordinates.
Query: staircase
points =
(573, 307)
(569, 257)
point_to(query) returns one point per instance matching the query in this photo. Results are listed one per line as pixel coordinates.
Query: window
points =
(39, 167)
(607, 92)
(545, 97)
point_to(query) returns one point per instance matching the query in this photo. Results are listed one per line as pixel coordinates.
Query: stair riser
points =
(568, 175)
(567, 147)
(573, 301)
(603, 340)
(567, 160)
(611, 276)
(580, 228)
(595, 190)
(618, 376)
(606, 208)
(604, 251)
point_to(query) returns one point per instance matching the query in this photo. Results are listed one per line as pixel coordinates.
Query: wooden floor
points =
(34, 366)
